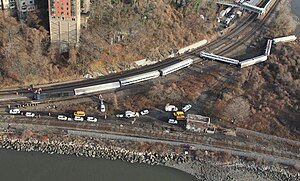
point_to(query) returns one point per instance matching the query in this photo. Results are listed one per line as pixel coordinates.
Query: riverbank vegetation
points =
(118, 33)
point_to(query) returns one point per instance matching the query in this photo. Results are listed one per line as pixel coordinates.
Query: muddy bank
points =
(200, 167)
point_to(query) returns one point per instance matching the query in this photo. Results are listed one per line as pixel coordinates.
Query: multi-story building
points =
(64, 20)
(24, 6)
(4, 4)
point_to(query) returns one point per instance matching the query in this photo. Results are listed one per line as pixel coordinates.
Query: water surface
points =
(35, 166)
(296, 11)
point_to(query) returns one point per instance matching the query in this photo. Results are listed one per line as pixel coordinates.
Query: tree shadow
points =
(40, 16)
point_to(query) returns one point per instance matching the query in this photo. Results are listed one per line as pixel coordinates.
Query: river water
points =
(296, 11)
(35, 166)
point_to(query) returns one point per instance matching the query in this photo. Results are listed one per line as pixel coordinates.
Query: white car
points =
(130, 114)
(170, 107)
(120, 115)
(14, 111)
(62, 117)
(29, 114)
(186, 108)
(77, 118)
(144, 112)
(102, 107)
(91, 119)
(173, 121)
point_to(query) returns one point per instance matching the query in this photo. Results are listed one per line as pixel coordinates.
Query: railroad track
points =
(183, 138)
(114, 77)
(250, 34)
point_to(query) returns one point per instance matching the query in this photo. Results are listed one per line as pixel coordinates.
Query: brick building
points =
(64, 20)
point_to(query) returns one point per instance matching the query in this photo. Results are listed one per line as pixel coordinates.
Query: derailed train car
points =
(253, 61)
(176, 66)
(139, 78)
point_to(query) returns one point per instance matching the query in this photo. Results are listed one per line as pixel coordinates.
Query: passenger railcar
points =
(176, 66)
(139, 78)
(97, 88)
(253, 61)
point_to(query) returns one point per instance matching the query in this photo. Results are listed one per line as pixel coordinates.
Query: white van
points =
(91, 119)
(130, 114)
(173, 121)
(170, 107)
(77, 118)
(14, 111)
(102, 107)
(62, 117)
(29, 114)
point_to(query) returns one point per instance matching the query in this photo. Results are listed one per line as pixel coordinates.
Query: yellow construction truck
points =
(179, 115)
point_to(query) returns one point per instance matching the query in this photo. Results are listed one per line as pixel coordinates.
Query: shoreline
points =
(201, 168)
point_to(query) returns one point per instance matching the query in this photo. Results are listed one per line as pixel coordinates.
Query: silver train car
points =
(253, 61)
(175, 67)
(97, 88)
(139, 78)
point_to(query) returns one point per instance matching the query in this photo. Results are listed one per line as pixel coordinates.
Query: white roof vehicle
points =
(172, 121)
(29, 114)
(130, 114)
(62, 117)
(186, 108)
(144, 112)
(77, 118)
(120, 115)
(102, 107)
(169, 107)
(14, 111)
(91, 119)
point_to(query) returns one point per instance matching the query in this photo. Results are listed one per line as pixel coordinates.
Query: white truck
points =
(131, 114)
(170, 107)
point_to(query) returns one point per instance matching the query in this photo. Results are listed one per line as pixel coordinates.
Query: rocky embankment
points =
(200, 168)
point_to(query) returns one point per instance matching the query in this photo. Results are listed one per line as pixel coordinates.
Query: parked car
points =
(144, 112)
(29, 114)
(130, 114)
(14, 111)
(170, 107)
(120, 115)
(172, 121)
(79, 114)
(102, 107)
(91, 119)
(62, 117)
(186, 108)
(78, 118)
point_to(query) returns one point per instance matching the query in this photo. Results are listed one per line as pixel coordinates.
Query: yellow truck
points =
(79, 113)
(179, 115)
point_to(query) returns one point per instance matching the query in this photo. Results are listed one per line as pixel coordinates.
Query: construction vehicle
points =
(179, 115)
